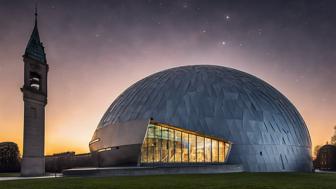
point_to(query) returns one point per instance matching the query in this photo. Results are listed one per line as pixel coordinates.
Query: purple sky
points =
(96, 49)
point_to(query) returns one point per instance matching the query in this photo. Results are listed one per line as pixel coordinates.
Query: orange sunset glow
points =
(92, 62)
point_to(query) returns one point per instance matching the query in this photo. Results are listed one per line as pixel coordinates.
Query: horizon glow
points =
(96, 52)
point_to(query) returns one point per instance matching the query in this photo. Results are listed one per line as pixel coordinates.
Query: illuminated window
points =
(150, 143)
(171, 145)
(167, 144)
(226, 150)
(221, 151)
(178, 146)
(200, 148)
(157, 143)
(214, 155)
(164, 144)
(144, 151)
(192, 148)
(207, 150)
(185, 149)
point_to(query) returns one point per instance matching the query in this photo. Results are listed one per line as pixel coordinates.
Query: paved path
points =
(140, 171)
(26, 178)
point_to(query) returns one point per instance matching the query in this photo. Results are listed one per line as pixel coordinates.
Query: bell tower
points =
(35, 99)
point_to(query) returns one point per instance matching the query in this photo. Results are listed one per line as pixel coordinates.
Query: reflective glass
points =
(178, 144)
(157, 144)
(221, 156)
(200, 149)
(226, 150)
(207, 150)
(192, 148)
(164, 144)
(185, 157)
(171, 150)
(144, 152)
(214, 155)
(150, 143)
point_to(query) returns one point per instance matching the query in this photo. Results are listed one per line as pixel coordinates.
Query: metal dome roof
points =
(225, 103)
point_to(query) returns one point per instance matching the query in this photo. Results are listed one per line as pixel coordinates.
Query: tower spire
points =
(35, 49)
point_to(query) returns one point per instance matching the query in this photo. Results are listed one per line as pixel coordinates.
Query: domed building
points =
(200, 115)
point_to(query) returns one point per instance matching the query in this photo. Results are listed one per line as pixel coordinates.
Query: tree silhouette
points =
(333, 138)
(9, 157)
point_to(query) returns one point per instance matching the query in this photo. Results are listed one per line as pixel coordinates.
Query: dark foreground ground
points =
(233, 180)
(9, 174)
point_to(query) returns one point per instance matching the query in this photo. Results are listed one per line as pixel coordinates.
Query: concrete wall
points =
(33, 139)
(119, 144)
(59, 162)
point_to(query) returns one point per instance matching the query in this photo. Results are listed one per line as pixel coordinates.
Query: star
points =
(227, 17)
(185, 5)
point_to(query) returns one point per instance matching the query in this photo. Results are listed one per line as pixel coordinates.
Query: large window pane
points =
(164, 144)
(200, 149)
(157, 144)
(150, 143)
(144, 151)
(207, 150)
(221, 151)
(171, 151)
(214, 151)
(227, 147)
(192, 148)
(185, 157)
(178, 144)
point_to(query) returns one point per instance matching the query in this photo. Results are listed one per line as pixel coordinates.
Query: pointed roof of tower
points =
(35, 49)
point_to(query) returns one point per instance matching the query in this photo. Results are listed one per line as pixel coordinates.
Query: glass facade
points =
(185, 147)
(200, 149)
(192, 148)
(207, 149)
(178, 146)
(167, 144)
(214, 149)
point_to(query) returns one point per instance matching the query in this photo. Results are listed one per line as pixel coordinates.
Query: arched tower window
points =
(35, 81)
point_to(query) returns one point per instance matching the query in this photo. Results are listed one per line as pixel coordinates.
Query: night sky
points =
(96, 49)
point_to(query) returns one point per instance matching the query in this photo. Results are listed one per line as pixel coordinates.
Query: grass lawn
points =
(233, 180)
